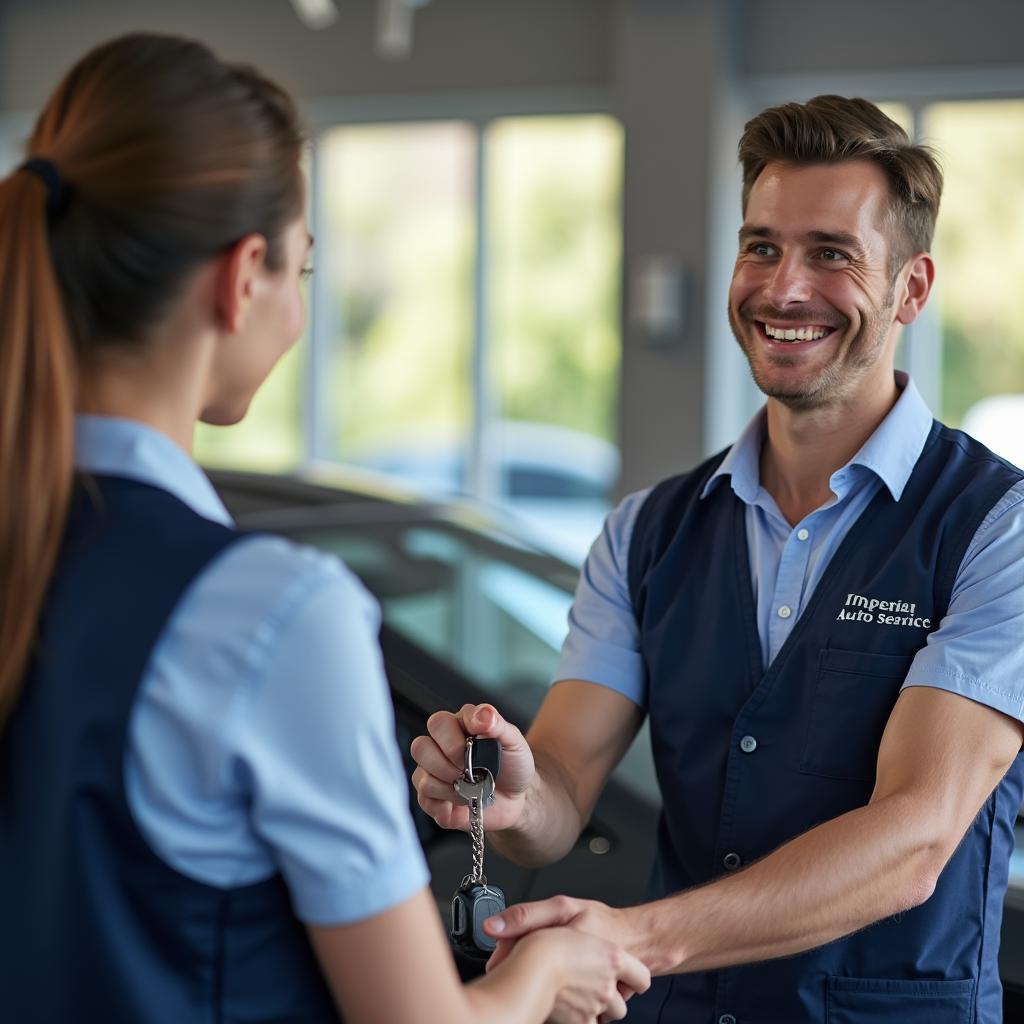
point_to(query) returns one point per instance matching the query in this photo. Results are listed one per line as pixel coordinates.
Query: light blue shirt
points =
(978, 648)
(262, 737)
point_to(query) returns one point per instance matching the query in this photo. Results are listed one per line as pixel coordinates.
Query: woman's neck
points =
(160, 384)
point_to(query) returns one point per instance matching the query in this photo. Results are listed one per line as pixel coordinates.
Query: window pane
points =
(269, 439)
(901, 114)
(554, 263)
(398, 212)
(980, 259)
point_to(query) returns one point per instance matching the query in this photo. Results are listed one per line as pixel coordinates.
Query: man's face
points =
(811, 300)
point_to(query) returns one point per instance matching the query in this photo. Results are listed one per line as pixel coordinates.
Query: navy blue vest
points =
(748, 758)
(93, 925)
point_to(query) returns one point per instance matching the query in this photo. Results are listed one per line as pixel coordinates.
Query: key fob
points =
(472, 904)
(483, 753)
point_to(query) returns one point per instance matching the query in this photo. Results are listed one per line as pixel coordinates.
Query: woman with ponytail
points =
(202, 809)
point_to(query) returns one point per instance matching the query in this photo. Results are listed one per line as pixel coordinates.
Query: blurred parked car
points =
(470, 614)
(557, 482)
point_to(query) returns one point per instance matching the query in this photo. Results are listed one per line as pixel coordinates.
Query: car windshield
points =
(495, 613)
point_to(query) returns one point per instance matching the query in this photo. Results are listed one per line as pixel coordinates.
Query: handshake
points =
(535, 819)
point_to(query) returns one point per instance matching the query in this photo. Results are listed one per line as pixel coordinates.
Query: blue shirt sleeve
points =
(328, 787)
(978, 648)
(263, 737)
(603, 645)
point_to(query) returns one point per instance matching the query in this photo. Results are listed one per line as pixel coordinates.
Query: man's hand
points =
(440, 758)
(578, 736)
(584, 915)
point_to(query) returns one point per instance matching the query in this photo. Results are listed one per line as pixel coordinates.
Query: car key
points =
(475, 901)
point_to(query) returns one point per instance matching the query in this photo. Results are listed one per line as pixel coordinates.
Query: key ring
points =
(470, 770)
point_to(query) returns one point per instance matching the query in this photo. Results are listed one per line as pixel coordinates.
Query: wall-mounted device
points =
(657, 300)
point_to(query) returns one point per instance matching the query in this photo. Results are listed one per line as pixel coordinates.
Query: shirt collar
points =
(891, 452)
(742, 463)
(109, 446)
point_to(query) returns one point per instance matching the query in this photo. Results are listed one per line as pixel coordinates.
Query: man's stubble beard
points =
(837, 381)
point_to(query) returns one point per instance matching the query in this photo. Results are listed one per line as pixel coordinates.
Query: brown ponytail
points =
(36, 414)
(169, 156)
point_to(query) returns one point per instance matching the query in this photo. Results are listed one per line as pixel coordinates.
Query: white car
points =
(998, 423)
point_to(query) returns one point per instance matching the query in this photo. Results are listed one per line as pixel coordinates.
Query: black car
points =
(472, 614)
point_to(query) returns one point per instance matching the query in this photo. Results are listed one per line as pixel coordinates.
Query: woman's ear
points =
(236, 281)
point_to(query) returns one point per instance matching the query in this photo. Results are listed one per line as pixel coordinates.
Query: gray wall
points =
(459, 45)
(682, 74)
(880, 35)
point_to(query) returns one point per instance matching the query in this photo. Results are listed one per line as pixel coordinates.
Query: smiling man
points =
(825, 625)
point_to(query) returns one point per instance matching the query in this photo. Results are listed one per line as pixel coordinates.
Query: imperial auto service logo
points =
(886, 613)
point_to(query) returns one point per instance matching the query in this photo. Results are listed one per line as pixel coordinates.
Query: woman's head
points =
(170, 156)
(169, 161)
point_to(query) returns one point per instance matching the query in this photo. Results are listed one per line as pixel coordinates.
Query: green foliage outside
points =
(980, 249)
(555, 261)
(399, 209)
(400, 204)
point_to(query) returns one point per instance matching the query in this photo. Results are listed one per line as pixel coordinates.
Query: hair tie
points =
(57, 192)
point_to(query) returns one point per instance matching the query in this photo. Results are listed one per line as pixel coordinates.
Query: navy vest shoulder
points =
(748, 758)
(94, 925)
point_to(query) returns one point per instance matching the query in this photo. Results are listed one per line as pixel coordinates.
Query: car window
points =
(540, 482)
(497, 617)
(493, 621)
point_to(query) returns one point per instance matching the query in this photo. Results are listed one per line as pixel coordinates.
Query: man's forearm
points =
(940, 759)
(550, 822)
(839, 877)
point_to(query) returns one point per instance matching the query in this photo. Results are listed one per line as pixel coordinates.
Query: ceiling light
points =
(316, 14)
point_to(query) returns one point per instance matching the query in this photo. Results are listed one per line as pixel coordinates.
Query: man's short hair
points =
(834, 129)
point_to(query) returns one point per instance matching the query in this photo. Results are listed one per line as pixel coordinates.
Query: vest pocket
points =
(853, 696)
(862, 1000)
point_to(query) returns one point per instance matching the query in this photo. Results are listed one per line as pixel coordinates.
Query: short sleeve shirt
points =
(977, 649)
(262, 737)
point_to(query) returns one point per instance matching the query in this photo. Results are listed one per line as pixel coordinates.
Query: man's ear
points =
(913, 287)
(237, 279)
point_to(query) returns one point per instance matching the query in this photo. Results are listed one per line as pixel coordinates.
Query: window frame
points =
(479, 111)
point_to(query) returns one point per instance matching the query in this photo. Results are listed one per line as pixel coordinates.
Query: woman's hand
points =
(396, 967)
(440, 758)
(596, 977)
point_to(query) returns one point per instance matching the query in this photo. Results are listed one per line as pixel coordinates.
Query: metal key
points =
(481, 763)
(474, 901)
